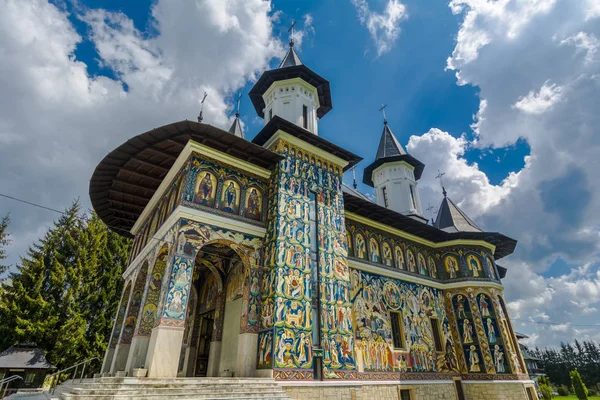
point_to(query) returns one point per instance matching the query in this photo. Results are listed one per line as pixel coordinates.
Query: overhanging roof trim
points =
(277, 123)
(113, 200)
(504, 245)
(368, 172)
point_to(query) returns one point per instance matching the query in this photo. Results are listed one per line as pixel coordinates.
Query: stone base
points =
(137, 353)
(419, 390)
(246, 354)
(120, 359)
(108, 358)
(163, 352)
(214, 358)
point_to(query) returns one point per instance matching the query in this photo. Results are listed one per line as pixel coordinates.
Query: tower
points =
(293, 92)
(394, 175)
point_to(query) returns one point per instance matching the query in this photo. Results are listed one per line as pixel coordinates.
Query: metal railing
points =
(7, 381)
(55, 377)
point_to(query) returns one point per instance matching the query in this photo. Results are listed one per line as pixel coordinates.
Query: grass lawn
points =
(572, 396)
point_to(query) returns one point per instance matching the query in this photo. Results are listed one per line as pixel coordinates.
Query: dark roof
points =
(354, 192)
(236, 127)
(520, 335)
(501, 271)
(291, 59)
(358, 205)
(24, 357)
(291, 67)
(388, 145)
(277, 123)
(450, 218)
(126, 179)
(526, 354)
(390, 150)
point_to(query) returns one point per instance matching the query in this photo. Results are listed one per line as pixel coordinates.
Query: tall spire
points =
(236, 127)
(291, 59)
(451, 218)
(388, 145)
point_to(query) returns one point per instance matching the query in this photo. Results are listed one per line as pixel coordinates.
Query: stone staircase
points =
(171, 388)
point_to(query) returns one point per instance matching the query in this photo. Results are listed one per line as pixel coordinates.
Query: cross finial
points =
(439, 176)
(432, 210)
(237, 112)
(200, 117)
(354, 177)
(291, 32)
(382, 109)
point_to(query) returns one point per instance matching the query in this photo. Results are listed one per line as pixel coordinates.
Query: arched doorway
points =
(210, 342)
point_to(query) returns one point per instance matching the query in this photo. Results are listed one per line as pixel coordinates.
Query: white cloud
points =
(383, 27)
(57, 121)
(307, 30)
(584, 42)
(540, 102)
(593, 9)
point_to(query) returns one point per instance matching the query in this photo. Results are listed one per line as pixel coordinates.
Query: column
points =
(116, 331)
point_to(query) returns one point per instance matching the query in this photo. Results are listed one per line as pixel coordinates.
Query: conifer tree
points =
(4, 241)
(578, 386)
(66, 290)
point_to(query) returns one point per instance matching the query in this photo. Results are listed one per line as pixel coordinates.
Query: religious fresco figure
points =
(499, 360)
(387, 254)
(467, 332)
(399, 258)
(451, 266)
(460, 307)
(410, 257)
(432, 267)
(484, 307)
(473, 360)
(491, 331)
(230, 198)
(474, 265)
(361, 247)
(422, 265)
(490, 263)
(374, 250)
(206, 189)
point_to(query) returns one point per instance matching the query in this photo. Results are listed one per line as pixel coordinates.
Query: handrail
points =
(56, 376)
(8, 381)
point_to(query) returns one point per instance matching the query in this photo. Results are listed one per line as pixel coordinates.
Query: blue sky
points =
(498, 95)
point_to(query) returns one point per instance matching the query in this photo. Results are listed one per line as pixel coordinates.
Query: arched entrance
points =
(212, 329)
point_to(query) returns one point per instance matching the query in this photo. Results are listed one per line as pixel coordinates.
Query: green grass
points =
(572, 396)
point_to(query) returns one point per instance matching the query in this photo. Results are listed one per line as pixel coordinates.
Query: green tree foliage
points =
(562, 390)
(66, 290)
(578, 386)
(583, 356)
(4, 241)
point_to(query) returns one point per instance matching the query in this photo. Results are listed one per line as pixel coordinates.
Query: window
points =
(437, 335)
(270, 114)
(405, 394)
(385, 198)
(412, 196)
(305, 117)
(29, 378)
(397, 334)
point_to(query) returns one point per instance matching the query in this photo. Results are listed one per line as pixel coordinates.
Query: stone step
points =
(168, 391)
(180, 396)
(170, 385)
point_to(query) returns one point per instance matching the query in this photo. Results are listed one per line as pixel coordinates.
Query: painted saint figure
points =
(473, 360)
(205, 191)
(467, 332)
(361, 250)
(460, 308)
(491, 331)
(253, 207)
(484, 307)
(230, 198)
(499, 359)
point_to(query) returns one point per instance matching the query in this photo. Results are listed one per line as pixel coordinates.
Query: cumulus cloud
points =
(536, 67)
(57, 121)
(383, 27)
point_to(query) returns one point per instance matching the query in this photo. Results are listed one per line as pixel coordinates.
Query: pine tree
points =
(578, 386)
(66, 290)
(4, 241)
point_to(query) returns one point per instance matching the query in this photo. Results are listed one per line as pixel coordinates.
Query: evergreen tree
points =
(578, 386)
(66, 290)
(4, 241)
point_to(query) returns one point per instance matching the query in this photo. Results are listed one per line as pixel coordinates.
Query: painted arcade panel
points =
(392, 251)
(394, 323)
(211, 184)
(492, 333)
(467, 333)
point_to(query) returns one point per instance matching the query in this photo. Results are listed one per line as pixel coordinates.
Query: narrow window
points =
(29, 378)
(305, 117)
(397, 334)
(412, 196)
(270, 114)
(437, 336)
(405, 394)
(385, 198)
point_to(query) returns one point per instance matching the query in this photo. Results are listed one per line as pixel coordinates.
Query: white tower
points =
(292, 92)
(394, 175)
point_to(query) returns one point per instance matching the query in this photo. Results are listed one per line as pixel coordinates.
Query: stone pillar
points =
(137, 353)
(246, 354)
(163, 351)
(214, 354)
(116, 331)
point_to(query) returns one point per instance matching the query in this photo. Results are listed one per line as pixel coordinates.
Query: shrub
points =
(546, 391)
(578, 386)
(562, 390)
(592, 392)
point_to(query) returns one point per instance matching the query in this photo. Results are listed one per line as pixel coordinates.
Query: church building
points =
(253, 259)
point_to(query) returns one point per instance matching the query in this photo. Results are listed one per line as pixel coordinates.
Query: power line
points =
(554, 323)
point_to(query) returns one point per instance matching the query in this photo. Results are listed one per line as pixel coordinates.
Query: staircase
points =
(171, 388)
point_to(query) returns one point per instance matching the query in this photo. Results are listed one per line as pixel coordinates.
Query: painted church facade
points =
(253, 259)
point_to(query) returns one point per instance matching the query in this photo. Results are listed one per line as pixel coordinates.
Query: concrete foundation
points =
(246, 355)
(137, 353)
(163, 352)
(120, 358)
(214, 358)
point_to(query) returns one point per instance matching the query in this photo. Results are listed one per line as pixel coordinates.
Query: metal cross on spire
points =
(382, 109)
(237, 112)
(439, 176)
(200, 117)
(432, 210)
(291, 32)
(354, 177)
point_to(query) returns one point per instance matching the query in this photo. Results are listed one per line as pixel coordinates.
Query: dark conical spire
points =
(291, 59)
(388, 145)
(236, 127)
(450, 218)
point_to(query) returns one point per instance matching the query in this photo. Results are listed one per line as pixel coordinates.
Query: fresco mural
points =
(149, 312)
(114, 340)
(135, 304)
(467, 333)
(374, 299)
(212, 184)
